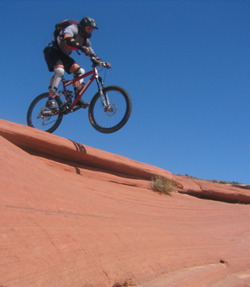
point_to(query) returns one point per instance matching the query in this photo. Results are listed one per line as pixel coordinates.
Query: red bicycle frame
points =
(85, 87)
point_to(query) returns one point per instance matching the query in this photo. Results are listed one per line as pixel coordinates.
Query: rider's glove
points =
(72, 44)
(96, 61)
(107, 65)
(85, 50)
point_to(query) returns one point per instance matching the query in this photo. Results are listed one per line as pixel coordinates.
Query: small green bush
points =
(162, 185)
(222, 182)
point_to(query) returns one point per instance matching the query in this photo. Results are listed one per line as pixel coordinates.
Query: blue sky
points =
(185, 64)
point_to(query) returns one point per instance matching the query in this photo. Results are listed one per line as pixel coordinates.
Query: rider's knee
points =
(79, 72)
(59, 72)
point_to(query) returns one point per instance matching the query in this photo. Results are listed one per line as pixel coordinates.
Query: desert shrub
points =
(162, 185)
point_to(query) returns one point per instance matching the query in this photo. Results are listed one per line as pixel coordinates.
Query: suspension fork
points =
(103, 96)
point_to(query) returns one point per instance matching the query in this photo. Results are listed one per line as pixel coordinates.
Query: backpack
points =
(62, 25)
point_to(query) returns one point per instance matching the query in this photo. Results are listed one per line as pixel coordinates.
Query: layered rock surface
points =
(72, 215)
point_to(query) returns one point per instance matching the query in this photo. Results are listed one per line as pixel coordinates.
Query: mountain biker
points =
(73, 37)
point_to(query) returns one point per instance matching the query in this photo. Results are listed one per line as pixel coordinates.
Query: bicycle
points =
(108, 112)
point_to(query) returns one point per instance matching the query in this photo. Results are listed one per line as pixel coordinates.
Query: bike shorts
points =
(54, 57)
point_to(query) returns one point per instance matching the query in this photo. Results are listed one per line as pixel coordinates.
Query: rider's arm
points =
(74, 45)
(71, 42)
(92, 55)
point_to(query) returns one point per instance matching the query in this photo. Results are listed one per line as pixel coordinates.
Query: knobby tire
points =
(110, 121)
(32, 115)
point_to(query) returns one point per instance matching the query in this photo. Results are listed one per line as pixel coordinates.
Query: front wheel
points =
(41, 117)
(109, 112)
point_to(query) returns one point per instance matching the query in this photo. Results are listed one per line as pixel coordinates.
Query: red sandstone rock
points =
(71, 215)
(216, 191)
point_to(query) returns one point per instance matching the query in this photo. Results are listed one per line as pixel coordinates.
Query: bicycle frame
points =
(95, 76)
(109, 108)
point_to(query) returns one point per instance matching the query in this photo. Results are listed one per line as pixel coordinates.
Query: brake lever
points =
(107, 65)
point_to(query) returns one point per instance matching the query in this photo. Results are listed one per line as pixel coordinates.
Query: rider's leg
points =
(55, 80)
(54, 83)
(78, 71)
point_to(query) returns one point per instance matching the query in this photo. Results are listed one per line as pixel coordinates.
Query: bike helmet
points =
(87, 21)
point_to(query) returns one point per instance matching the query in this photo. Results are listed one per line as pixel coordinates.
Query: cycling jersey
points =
(74, 32)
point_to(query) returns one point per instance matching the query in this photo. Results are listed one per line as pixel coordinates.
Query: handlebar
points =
(101, 64)
(106, 65)
(96, 63)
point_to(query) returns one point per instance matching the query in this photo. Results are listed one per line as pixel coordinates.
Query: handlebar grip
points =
(108, 65)
(101, 63)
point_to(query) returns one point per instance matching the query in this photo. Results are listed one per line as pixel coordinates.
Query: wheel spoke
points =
(41, 117)
(112, 118)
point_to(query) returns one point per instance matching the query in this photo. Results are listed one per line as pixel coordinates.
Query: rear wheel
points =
(110, 118)
(41, 117)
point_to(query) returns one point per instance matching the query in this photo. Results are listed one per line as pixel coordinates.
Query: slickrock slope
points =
(72, 215)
